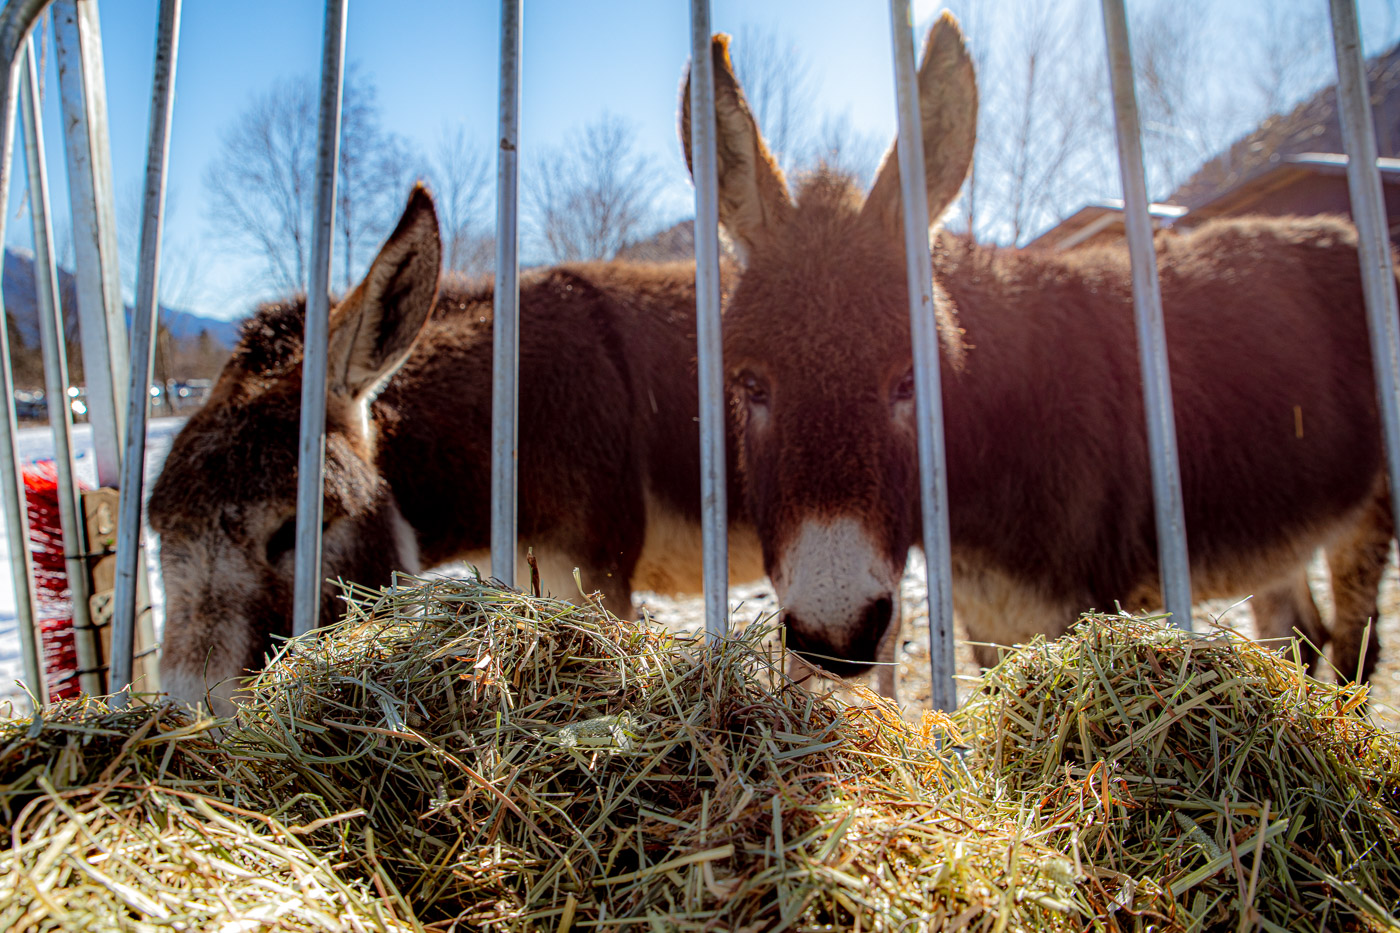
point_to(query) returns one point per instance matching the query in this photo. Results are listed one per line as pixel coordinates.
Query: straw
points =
(524, 761)
(121, 820)
(1206, 779)
(456, 755)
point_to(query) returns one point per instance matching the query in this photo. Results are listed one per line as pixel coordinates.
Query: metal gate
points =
(120, 399)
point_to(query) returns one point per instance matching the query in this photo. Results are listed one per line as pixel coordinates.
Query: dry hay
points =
(529, 764)
(129, 820)
(1157, 756)
(461, 756)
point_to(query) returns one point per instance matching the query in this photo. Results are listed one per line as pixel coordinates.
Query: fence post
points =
(928, 389)
(505, 327)
(311, 451)
(130, 569)
(1368, 212)
(51, 334)
(714, 502)
(16, 20)
(1151, 333)
(102, 322)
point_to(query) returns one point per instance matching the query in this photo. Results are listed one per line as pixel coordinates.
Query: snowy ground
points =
(37, 444)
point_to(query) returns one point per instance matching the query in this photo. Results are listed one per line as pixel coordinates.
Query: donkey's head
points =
(225, 503)
(818, 360)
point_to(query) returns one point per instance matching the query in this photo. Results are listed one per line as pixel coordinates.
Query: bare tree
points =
(1037, 125)
(840, 147)
(1205, 75)
(1291, 54)
(777, 81)
(375, 172)
(1176, 117)
(1046, 138)
(593, 195)
(460, 174)
(181, 271)
(262, 186)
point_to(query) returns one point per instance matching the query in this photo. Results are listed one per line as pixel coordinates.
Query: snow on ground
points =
(37, 444)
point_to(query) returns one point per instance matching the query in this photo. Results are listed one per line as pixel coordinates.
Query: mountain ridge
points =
(21, 303)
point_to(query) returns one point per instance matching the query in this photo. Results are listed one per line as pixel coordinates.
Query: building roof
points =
(1310, 128)
(1281, 173)
(1103, 219)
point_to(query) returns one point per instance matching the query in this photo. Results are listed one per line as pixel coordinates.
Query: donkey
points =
(1050, 501)
(609, 449)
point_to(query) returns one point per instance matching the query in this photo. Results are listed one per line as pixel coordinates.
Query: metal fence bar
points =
(928, 389)
(1368, 213)
(1151, 335)
(15, 21)
(51, 333)
(311, 454)
(505, 360)
(714, 502)
(83, 89)
(130, 566)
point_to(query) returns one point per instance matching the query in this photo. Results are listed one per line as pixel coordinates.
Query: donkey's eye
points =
(284, 540)
(904, 389)
(755, 389)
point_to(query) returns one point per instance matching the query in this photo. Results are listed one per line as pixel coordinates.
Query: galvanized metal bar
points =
(51, 339)
(102, 317)
(130, 564)
(928, 389)
(15, 21)
(714, 500)
(505, 360)
(1151, 334)
(311, 453)
(1369, 215)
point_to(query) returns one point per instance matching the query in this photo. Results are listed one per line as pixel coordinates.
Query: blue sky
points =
(434, 63)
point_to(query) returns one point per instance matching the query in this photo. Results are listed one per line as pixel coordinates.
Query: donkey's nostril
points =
(877, 618)
(844, 650)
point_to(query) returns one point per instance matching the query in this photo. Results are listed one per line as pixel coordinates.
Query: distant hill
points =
(22, 304)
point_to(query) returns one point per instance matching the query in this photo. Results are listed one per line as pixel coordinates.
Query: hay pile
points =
(128, 820)
(1207, 780)
(457, 756)
(527, 764)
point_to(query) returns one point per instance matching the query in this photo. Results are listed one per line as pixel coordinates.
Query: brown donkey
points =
(1051, 505)
(609, 449)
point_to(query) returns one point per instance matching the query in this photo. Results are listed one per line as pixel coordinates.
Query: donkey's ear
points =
(753, 195)
(373, 329)
(948, 112)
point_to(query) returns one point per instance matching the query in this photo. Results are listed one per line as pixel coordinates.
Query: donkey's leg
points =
(557, 564)
(611, 536)
(616, 591)
(1358, 563)
(1286, 609)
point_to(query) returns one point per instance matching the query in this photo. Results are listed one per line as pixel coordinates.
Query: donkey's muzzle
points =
(845, 651)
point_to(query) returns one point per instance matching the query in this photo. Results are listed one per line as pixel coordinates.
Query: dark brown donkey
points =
(1051, 505)
(609, 449)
